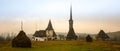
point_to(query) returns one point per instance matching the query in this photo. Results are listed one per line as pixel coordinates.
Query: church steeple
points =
(71, 34)
(71, 20)
(49, 26)
(70, 12)
(50, 31)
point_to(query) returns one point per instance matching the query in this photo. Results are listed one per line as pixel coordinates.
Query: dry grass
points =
(65, 46)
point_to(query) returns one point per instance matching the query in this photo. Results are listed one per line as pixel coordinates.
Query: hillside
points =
(115, 35)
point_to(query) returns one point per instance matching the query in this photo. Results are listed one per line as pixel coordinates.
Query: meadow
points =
(65, 46)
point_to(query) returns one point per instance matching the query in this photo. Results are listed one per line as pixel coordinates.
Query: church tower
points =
(71, 34)
(50, 33)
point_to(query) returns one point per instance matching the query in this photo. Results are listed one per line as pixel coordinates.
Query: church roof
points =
(40, 33)
(49, 27)
(102, 34)
(54, 34)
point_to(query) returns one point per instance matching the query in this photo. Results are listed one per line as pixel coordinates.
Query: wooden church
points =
(47, 34)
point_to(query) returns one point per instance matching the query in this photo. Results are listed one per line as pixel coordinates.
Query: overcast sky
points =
(89, 15)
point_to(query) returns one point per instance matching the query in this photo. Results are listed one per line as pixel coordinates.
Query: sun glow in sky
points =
(89, 15)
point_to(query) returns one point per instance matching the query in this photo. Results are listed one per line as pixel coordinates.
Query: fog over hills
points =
(113, 35)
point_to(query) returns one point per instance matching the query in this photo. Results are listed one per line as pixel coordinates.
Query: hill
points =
(114, 35)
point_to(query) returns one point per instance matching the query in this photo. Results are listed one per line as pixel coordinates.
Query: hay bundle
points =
(21, 40)
(89, 38)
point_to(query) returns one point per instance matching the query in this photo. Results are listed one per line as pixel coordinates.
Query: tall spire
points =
(70, 11)
(71, 34)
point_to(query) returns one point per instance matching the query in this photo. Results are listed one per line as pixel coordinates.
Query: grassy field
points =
(65, 46)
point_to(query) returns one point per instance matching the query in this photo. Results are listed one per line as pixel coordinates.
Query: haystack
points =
(21, 40)
(89, 38)
(102, 36)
